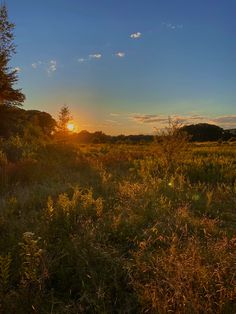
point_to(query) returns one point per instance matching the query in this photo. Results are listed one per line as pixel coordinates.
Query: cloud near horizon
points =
(227, 121)
(149, 118)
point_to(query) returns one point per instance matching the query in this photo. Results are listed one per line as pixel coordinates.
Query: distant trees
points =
(8, 94)
(99, 137)
(204, 132)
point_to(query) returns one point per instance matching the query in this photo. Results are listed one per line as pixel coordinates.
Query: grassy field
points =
(117, 228)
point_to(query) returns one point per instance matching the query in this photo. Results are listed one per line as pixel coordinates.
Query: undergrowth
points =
(117, 228)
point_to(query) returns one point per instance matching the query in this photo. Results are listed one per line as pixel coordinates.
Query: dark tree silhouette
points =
(8, 77)
(17, 121)
(204, 132)
(63, 118)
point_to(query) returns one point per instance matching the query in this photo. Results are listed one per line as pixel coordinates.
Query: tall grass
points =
(116, 229)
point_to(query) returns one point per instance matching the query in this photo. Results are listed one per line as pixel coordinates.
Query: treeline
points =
(99, 137)
(201, 132)
(35, 124)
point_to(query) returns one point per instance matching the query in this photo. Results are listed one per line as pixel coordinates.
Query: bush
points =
(171, 145)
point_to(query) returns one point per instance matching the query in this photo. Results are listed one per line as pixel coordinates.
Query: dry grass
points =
(116, 229)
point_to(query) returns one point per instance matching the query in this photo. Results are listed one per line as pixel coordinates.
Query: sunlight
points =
(70, 126)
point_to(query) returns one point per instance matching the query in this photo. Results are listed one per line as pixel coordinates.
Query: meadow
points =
(117, 228)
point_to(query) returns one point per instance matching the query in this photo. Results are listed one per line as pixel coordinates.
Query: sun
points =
(70, 126)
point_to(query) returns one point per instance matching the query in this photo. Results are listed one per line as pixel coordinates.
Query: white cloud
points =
(120, 54)
(173, 26)
(52, 67)
(95, 56)
(136, 35)
(36, 64)
(17, 69)
(81, 60)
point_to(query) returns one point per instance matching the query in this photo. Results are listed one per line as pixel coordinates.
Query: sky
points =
(125, 66)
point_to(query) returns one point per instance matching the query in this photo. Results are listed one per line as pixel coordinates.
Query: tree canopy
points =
(26, 123)
(9, 95)
(204, 132)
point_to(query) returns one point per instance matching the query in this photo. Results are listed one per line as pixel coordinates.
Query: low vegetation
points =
(115, 229)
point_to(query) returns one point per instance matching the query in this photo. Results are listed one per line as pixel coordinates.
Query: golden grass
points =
(116, 229)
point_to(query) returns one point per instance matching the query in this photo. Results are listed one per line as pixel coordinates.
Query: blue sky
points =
(125, 66)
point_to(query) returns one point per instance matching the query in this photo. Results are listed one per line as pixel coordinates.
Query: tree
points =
(8, 77)
(33, 123)
(42, 120)
(204, 132)
(63, 119)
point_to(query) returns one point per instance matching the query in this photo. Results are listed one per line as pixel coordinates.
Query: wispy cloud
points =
(81, 60)
(173, 26)
(120, 54)
(226, 122)
(113, 121)
(149, 118)
(48, 66)
(36, 64)
(52, 67)
(40, 64)
(114, 114)
(95, 56)
(136, 35)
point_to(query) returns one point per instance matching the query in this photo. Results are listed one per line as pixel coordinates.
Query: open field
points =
(117, 229)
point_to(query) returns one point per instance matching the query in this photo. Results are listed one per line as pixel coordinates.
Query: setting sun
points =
(70, 126)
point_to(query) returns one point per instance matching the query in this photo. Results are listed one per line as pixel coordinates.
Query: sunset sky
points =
(125, 66)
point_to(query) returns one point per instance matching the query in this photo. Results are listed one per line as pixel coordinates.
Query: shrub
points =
(171, 145)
